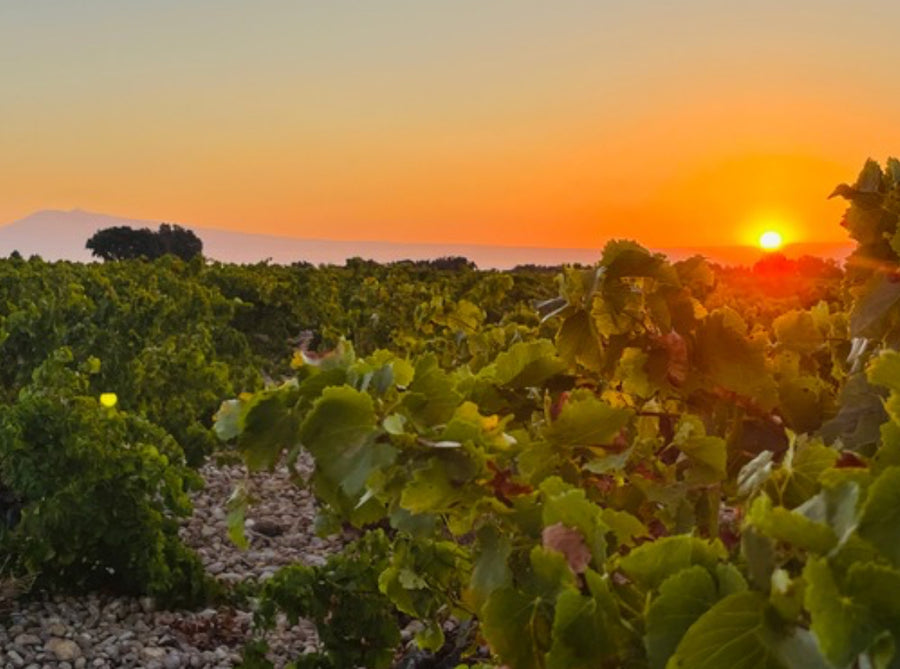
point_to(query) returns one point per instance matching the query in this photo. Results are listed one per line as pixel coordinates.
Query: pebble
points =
(57, 629)
(153, 653)
(103, 632)
(63, 649)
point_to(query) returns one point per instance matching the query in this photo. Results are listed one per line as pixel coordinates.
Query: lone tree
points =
(179, 241)
(125, 243)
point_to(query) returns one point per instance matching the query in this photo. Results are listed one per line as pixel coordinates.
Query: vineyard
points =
(638, 464)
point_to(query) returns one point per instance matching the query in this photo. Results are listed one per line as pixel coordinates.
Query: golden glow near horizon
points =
(770, 240)
(512, 122)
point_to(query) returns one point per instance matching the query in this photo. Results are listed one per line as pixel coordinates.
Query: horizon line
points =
(654, 248)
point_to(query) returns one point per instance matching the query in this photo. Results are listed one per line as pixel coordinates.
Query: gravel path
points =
(101, 631)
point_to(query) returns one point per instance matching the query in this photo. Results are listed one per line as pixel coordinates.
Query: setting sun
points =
(770, 240)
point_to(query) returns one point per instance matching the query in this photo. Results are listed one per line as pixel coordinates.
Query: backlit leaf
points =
(586, 421)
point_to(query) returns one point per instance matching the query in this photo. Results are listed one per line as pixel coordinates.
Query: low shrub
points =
(98, 492)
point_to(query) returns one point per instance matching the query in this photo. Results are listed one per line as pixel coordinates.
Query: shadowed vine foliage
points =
(663, 483)
(356, 623)
(98, 492)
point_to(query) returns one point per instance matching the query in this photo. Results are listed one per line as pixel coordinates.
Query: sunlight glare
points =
(770, 240)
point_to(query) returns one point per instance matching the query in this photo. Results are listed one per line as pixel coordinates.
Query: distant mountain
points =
(61, 235)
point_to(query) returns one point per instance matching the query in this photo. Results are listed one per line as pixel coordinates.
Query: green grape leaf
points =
(859, 417)
(394, 424)
(578, 343)
(880, 519)
(228, 420)
(626, 258)
(759, 552)
(790, 527)
(736, 632)
(431, 637)
(465, 317)
(581, 633)
(431, 398)
(269, 427)
(518, 627)
(653, 562)
(804, 402)
(873, 306)
(624, 526)
(683, 598)
(836, 507)
(527, 364)
(786, 595)
(885, 371)
(631, 371)
(586, 421)
(610, 461)
(877, 587)
(237, 507)
(888, 453)
(491, 570)
(549, 575)
(842, 625)
(431, 490)
(804, 464)
(729, 579)
(797, 331)
(732, 361)
(340, 433)
(707, 457)
(617, 309)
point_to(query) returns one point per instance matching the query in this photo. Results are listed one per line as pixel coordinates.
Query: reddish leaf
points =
(570, 543)
(676, 357)
(557, 406)
(657, 529)
(605, 483)
(644, 470)
(848, 459)
(503, 485)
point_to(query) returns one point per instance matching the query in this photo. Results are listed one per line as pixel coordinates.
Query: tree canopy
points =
(125, 243)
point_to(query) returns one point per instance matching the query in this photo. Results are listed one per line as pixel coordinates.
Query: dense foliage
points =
(90, 494)
(96, 491)
(635, 464)
(671, 480)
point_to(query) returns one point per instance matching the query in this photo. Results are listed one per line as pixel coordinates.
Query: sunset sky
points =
(517, 122)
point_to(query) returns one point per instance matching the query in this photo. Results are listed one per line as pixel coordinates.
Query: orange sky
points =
(509, 123)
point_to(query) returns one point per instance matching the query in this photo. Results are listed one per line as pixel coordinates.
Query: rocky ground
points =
(99, 631)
